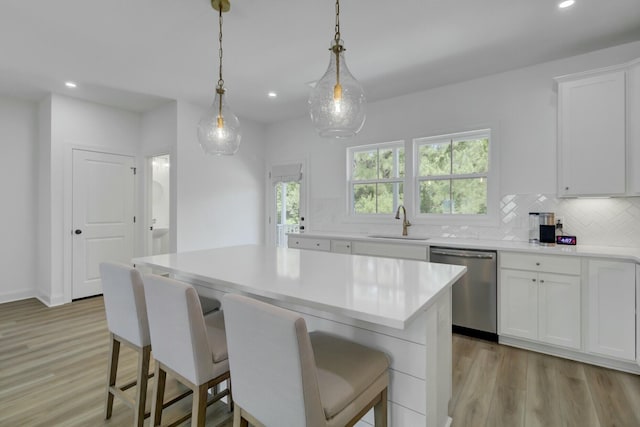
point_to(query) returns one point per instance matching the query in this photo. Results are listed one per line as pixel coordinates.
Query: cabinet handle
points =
(566, 188)
(348, 246)
(317, 244)
(541, 281)
(533, 280)
(537, 263)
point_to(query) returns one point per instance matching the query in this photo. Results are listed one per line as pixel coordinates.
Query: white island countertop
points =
(384, 291)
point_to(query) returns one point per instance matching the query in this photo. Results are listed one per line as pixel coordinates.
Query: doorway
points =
(102, 216)
(287, 202)
(158, 240)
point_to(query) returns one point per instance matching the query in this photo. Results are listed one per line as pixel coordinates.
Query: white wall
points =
(220, 199)
(44, 200)
(18, 186)
(519, 105)
(79, 124)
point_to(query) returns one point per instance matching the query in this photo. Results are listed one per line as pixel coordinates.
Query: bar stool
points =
(284, 376)
(186, 344)
(126, 313)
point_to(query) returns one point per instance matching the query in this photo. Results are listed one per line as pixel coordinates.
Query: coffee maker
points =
(542, 228)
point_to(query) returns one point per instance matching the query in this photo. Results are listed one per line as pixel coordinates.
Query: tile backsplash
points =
(599, 222)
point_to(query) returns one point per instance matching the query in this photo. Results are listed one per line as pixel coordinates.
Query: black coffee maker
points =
(547, 228)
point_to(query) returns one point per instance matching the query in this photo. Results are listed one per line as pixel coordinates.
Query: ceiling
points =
(138, 53)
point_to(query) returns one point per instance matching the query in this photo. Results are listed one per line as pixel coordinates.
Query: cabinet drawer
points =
(547, 263)
(341, 246)
(390, 250)
(304, 243)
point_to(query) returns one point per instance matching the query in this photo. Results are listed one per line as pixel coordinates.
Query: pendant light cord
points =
(220, 89)
(220, 81)
(337, 48)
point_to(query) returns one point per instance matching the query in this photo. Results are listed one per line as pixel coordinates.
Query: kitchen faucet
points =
(405, 223)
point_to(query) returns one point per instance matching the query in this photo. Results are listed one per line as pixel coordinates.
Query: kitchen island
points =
(401, 307)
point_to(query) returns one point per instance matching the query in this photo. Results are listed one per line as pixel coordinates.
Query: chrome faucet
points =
(405, 223)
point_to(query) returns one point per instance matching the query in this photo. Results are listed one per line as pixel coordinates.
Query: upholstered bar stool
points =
(127, 322)
(186, 344)
(285, 376)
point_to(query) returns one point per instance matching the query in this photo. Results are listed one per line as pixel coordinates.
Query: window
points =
(452, 174)
(376, 178)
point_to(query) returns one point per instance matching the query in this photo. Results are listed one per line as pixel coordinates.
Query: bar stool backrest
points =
(272, 364)
(124, 303)
(178, 330)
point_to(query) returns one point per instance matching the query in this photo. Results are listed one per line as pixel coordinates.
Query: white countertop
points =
(621, 253)
(389, 292)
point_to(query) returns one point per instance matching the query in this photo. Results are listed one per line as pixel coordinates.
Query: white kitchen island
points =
(401, 307)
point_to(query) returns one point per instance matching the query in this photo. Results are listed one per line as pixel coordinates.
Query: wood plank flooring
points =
(496, 385)
(53, 372)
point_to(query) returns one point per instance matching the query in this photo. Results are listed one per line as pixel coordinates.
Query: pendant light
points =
(337, 102)
(219, 128)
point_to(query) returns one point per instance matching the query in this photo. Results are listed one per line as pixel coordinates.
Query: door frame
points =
(270, 235)
(67, 197)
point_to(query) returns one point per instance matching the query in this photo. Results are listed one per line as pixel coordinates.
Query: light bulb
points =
(337, 102)
(219, 129)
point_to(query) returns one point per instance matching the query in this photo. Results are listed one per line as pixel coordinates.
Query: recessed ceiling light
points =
(272, 94)
(71, 85)
(566, 3)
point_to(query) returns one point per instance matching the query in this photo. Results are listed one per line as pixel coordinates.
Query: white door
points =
(103, 216)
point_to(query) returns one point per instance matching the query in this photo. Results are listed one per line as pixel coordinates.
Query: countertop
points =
(389, 292)
(621, 253)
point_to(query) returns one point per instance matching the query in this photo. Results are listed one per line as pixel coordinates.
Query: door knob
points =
(78, 231)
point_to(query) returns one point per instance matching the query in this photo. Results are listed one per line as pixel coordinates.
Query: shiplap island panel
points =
(402, 307)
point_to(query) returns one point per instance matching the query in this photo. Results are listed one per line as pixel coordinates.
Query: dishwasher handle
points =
(464, 254)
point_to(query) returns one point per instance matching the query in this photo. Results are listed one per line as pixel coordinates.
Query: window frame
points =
(491, 176)
(351, 151)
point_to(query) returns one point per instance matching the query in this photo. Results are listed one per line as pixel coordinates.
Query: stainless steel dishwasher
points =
(474, 296)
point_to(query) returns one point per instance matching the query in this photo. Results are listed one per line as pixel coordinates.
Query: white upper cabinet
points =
(592, 134)
(633, 129)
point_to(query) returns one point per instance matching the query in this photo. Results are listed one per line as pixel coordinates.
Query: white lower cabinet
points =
(390, 250)
(611, 313)
(541, 307)
(638, 314)
(538, 305)
(296, 241)
(341, 246)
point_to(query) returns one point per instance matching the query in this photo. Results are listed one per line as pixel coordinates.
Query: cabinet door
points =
(633, 142)
(591, 135)
(519, 304)
(341, 246)
(611, 316)
(309, 243)
(559, 310)
(390, 250)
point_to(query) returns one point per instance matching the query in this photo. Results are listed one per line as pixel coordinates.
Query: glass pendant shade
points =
(219, 129)
(337, 104)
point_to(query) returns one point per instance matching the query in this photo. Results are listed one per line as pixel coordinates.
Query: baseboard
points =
(17, 295)
(605, 362)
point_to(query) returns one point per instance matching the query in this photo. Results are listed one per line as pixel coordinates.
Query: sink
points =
(395, 236)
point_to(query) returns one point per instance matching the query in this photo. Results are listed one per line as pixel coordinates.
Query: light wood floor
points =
(53, 371)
